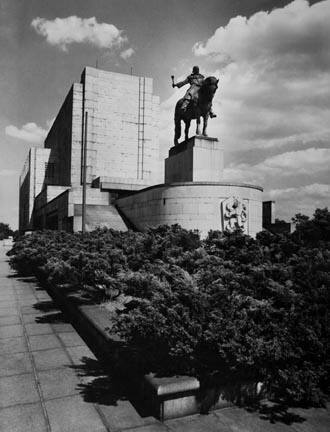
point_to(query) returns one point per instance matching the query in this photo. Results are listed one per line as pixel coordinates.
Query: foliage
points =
(250, 309)
(5, 231)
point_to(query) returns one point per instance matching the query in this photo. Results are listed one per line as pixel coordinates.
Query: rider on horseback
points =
(195, 80)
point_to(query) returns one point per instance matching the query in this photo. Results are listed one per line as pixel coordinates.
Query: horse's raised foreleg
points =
(205, 122)
(186, 131)
(198, 126)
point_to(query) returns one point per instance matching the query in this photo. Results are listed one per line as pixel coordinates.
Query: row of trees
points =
(247, 309)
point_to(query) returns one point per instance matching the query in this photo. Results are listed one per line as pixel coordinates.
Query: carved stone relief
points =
(234, 214)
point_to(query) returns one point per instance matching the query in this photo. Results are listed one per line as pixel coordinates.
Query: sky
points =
(272, 59)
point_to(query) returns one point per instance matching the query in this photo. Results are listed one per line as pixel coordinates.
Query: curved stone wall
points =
(193, 205)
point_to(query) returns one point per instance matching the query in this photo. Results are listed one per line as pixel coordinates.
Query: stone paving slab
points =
(4, 312)
(50, 359)
(56, 383)
(18, 389)
(23, 418)
(79, 352)
(71, 339)
(9, 320)
(72, 414)
(42, 342)
(33, 329)
(62, 328)
(13, 345)
(197, 423)
(10, 331)
(235, 418)
(15, 363)
(121, 416)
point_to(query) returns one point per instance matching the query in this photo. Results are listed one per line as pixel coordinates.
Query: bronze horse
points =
(196, 110)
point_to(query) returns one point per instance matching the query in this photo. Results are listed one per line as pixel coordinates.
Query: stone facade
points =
(119, 114)
(122, 150)
(194, 196)
(122, 127)
(193, 205)
(31, 182)
(198, 159)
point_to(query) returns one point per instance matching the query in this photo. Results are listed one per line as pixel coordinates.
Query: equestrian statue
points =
(196, 103)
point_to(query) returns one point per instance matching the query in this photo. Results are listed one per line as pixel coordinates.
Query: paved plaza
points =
(51, 381)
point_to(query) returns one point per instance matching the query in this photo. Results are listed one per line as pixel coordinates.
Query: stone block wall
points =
(194, 205)
(31, 183)
(198, 159)
(59, 141)
(122, 127)
(76, 134)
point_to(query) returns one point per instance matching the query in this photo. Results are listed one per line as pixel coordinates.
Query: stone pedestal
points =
(198, 159)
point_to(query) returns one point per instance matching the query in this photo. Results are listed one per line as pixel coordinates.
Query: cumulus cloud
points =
(302, 166)
(296, 28)
(312, 190)
(274, 76)
(29, 132)
(302, 199)
(127, 53)
(65, 31)
(288, 164)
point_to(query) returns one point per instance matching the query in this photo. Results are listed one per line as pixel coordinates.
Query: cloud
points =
(302, 199)
(274, 73)
(127, 53)
(65, 31)
(29, 132)
(296, 28)
(299, 167)
(288, 164)
(312, 190)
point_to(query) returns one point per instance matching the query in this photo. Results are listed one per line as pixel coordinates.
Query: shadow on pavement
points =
(100, 386)
(15, 276)
(46, 306)
(53, 318)
(277, 412)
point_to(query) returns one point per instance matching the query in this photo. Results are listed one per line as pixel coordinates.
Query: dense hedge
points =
(248, 309)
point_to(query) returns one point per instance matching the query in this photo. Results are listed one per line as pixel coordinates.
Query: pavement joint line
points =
(9, 337)
(19, 405)
(42, 370)
(36, 378)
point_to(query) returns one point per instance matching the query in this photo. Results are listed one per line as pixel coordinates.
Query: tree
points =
(5, 231)
(299, 219)
(311, 231)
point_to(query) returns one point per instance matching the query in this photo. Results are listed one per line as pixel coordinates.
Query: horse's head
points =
(210, 86)
(211, 82)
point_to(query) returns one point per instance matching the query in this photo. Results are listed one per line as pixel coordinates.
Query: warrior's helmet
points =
(195, 70)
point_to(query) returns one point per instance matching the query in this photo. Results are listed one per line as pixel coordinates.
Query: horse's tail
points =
(177, 122)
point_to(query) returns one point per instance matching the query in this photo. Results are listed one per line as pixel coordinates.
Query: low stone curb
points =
(162, 397)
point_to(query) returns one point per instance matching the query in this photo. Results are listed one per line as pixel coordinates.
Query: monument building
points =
(122, 153)
(100, 162)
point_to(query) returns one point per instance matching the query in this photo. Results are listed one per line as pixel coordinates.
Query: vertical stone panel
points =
(122, 126)
(59, 140)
